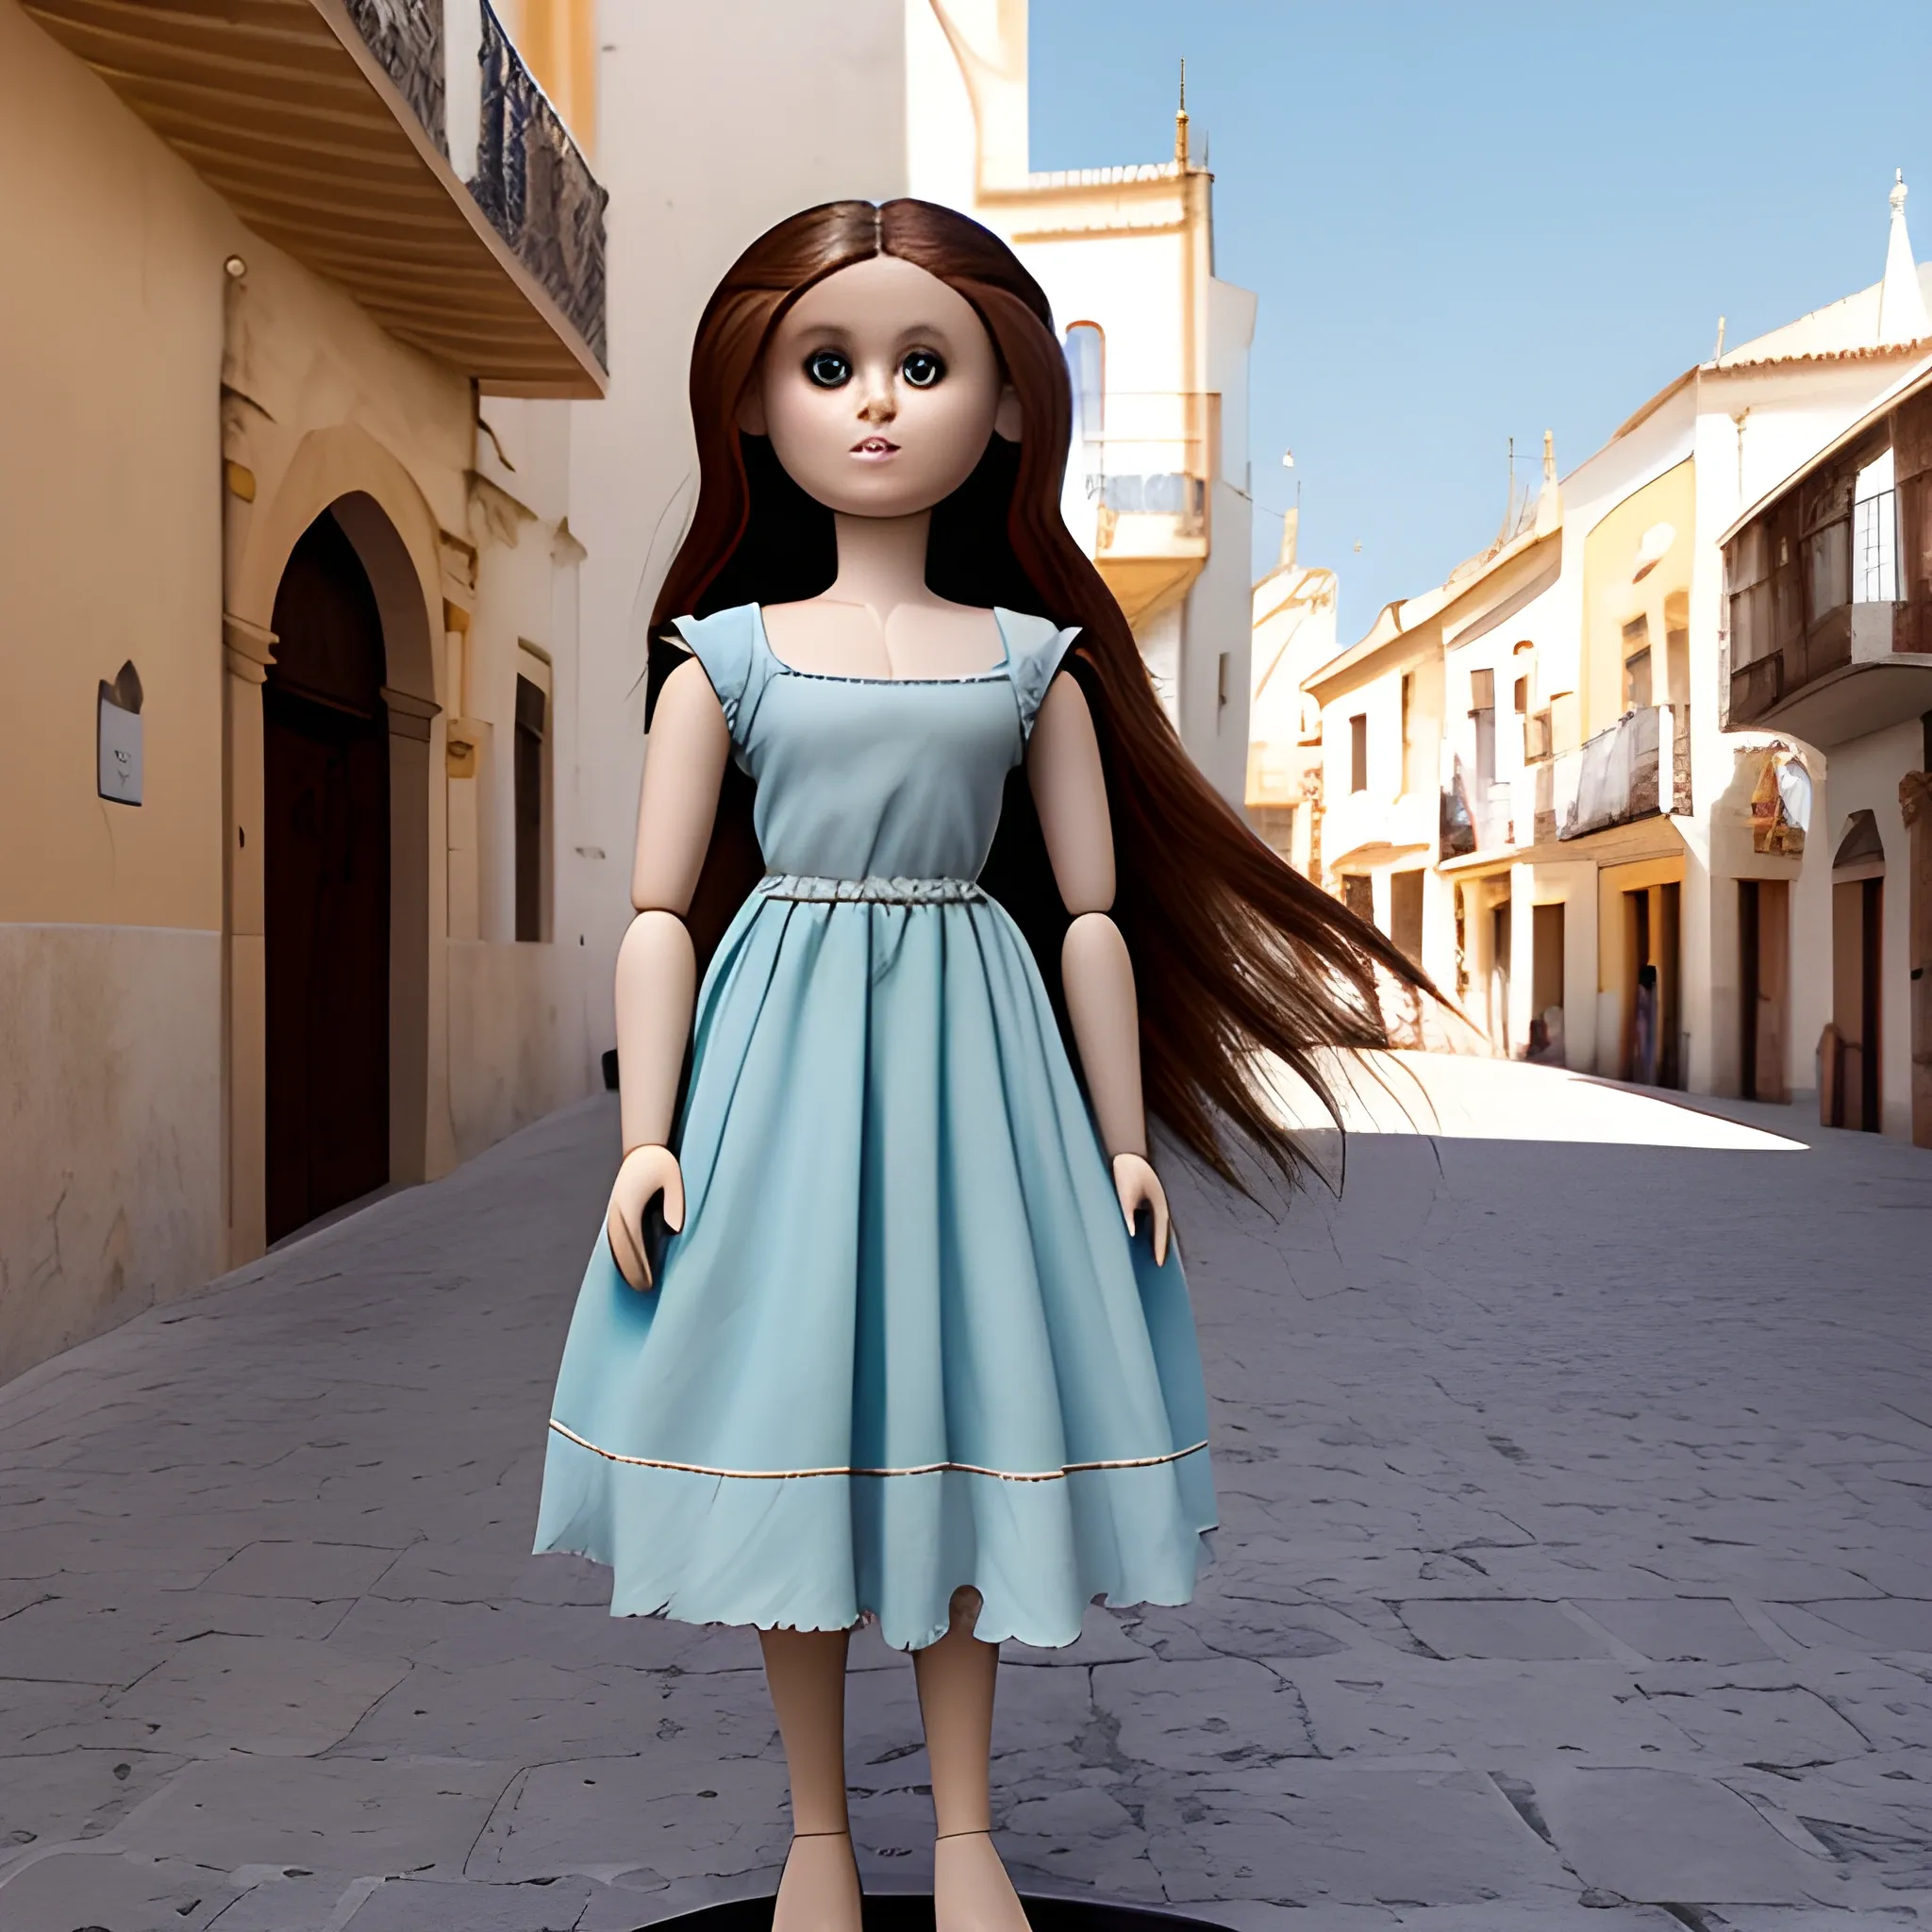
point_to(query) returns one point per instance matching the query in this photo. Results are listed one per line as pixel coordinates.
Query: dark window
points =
(1408, 732)
(1637, 681)
(1405, 911)
(1358, 752)
(1637, 664)
(529, 810)
(1359, 895)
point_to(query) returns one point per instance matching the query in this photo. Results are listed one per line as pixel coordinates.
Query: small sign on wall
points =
(118, 740)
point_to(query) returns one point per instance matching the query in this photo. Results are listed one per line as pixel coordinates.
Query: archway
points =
(326, 885)
(344, 474)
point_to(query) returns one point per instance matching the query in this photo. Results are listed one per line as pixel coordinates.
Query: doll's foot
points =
(970, 1892)
(818, 1890)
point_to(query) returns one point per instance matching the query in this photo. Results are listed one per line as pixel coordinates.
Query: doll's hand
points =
(646, 1172)
(1139, 1187)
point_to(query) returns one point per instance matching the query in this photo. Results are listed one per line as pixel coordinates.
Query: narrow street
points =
(1575, 1571)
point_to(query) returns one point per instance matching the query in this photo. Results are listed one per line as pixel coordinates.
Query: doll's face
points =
(879, 390)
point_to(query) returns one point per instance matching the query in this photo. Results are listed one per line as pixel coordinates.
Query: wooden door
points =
(1764, 923)
(326, 886)
(1667, 956)
(1639, 995)
(1856, 930)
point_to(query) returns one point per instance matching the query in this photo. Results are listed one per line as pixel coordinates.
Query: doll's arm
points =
(657, 968)
(1070, 794)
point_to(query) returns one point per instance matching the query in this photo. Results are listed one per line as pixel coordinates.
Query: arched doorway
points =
(1857, 945)
(326, 774)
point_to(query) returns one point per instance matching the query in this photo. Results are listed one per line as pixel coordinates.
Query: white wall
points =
(715, 122)
(1220, 605)
(1384, 814)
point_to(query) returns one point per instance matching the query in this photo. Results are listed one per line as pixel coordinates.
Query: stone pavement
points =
(1577, 1572)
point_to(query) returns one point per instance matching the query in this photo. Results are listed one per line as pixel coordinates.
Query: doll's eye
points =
(921, 368)
(827, 368)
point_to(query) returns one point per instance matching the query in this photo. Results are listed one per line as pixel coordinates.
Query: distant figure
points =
(1643, 1051)
(1546, 1038)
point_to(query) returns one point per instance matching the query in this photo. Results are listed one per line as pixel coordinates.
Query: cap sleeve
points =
(1037, 648)
(726, 643)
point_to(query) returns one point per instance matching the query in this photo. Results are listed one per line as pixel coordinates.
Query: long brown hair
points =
(1236, 955)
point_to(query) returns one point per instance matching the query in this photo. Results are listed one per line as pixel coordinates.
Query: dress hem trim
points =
(1005, 1475)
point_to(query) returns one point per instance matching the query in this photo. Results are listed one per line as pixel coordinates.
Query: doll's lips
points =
(874, 446)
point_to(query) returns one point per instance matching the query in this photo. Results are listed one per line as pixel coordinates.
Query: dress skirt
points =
(904, 1341)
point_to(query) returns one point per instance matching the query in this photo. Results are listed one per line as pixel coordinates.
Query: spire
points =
(1180, 122)
(1549, 502)
(1901, 302)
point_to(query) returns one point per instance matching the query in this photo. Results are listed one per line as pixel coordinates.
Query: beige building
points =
(1157, 485)
(1624, 808)
(1829, 634)
(292, 646)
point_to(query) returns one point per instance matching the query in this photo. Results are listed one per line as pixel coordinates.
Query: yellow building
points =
(290, 648)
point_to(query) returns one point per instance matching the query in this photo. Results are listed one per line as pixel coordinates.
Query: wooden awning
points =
(285, 111)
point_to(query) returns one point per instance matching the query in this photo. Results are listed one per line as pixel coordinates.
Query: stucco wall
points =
(110, 527)
(110, 1038)
(110, 537)
(756, 125)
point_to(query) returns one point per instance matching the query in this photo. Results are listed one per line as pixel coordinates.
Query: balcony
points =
(324, 125)
(1853, 672)
(1638, 769)
(1829, 602)
(1139, 482)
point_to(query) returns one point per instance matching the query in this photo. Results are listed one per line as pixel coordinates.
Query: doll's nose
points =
(878, 406)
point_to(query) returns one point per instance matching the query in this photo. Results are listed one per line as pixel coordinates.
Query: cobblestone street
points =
(1575, 1571)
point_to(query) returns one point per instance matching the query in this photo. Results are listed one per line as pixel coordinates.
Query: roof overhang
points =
(285, 110)
(1398, 635)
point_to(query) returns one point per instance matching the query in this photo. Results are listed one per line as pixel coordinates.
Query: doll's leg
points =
(805, 1669)
(971, 1890)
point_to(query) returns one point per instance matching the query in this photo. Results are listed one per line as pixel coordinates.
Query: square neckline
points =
(1003, 669)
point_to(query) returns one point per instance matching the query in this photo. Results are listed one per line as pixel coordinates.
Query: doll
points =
(887, 1318)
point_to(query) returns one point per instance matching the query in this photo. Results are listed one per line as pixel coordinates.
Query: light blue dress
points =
(903, 1342)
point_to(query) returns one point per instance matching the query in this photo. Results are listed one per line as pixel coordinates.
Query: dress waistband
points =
(872, 890)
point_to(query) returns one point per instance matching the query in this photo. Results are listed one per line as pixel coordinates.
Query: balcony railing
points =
(1139, 489)
(406, 36)
(325, 125)
(1637, 768)
(1144, 455)
(537, 188)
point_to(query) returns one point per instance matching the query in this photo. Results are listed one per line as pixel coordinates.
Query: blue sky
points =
(1471, 221)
